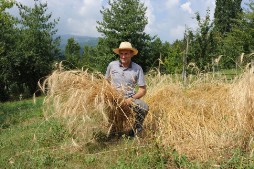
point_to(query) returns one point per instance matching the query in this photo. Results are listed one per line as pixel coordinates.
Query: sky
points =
(167, 19)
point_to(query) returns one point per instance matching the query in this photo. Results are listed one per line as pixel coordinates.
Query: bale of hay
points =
(86, 102)
(204, 120)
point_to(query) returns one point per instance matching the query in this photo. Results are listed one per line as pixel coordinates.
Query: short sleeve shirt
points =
(125, 79)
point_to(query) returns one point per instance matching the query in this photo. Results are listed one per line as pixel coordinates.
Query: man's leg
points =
(141, 109)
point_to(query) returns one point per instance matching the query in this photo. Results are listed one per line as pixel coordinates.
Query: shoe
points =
(131, 133)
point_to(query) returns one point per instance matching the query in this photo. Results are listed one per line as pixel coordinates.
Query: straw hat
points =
(126, 45)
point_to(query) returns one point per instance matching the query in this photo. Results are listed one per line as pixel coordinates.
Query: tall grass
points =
(205, 119)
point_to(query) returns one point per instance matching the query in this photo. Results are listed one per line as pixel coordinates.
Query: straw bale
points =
(204, 120)
(201, 120)
(86, 102)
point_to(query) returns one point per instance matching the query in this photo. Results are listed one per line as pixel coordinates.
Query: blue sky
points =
(166, 18)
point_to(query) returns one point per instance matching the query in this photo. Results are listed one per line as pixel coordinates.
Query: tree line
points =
(29, 47)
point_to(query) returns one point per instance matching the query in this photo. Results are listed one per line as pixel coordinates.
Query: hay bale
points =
(86, 102)
(205, 119)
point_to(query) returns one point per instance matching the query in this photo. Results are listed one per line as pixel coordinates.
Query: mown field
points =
(187, 127)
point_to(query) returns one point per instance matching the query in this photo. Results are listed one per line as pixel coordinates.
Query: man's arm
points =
(141, 92)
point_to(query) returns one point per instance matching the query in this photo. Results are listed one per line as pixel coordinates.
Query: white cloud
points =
(85, 27)
(76, 17)
(186, 7)
(171, 3)
(82, 17)
(166, 18)
(177, 32)
(150, 15)
(89, 7)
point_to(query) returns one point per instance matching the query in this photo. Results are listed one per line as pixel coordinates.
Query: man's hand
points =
(129, 101)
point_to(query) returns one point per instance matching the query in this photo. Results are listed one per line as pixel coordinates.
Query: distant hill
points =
(82, 40)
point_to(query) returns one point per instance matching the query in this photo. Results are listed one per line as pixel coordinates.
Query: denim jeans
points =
(141, 109)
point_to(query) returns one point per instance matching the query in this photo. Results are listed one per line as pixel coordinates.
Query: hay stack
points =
(86, 102)
(206, 119)
(201, 121)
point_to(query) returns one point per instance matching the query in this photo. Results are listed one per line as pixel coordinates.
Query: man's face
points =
(125, 56)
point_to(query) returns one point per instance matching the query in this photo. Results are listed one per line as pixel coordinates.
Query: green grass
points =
(27, 140)
(231, 73)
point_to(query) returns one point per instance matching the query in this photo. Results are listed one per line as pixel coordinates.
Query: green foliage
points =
(201, 43)
(225, 13)
(181, 161)
(36, 48)
(95, 58)
(5, 5)
(238, 159)
(82, 41)
(173, 62)
(226, 18)
(7, 44)
(125, 20)
(27, 49)
(240, 39)
(246, 28)
(156, 52)
(72, 54)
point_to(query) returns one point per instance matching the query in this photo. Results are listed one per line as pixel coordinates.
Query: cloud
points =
(171, 3)
(166, 18)
(89, 7)
(82, 27)
(186, 7)
(82, 17)
(150, 15)
(76, 17)
(177, 32)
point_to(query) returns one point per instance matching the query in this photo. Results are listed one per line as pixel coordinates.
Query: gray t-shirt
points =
(125, 79)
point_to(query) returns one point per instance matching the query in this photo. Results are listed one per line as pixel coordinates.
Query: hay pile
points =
(86, 102)
(205, 119)
(201, 120)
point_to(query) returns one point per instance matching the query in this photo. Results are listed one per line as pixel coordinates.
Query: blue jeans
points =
(141, 109)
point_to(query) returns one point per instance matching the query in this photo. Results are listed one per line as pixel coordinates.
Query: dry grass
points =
(204, 119)
(85, 102)
(201, 120)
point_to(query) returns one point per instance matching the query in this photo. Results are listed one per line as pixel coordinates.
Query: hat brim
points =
(135, 51)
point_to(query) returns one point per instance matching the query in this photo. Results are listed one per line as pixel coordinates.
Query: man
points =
(125, 75)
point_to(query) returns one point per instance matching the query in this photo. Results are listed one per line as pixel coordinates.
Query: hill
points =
(82, 40)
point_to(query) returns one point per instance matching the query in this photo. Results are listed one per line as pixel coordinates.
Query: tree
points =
(72, 54)
(37, 49)
(202, 43)
(173, 61)
(241, 38)
(226, 12)
(245, 28)
(7, 44)
(124, 20)
(89, 61)
(155, 53)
